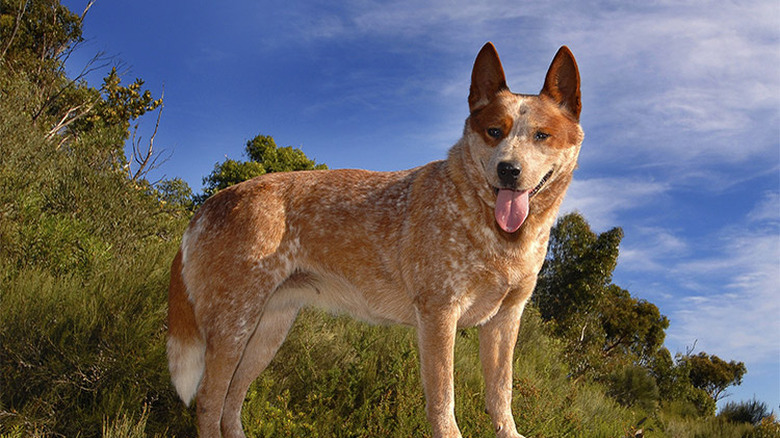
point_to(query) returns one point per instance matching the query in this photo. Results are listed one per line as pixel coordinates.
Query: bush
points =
(633, 386)
(75, 354)
(769, 427)
(676, 427)
(752, 411)
(336, 377)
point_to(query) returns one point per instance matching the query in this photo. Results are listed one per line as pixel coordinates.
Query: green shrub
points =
(335, 377)
(769, 427)
(710, 427)
(633, 386)
(751, 411)
(75, 354)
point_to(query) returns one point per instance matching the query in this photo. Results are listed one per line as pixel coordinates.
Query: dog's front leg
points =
(497, 339)
(436, 339)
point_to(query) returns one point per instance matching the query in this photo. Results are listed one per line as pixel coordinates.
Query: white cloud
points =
(681, 83)
(601, 200)
(767, 210)
(735, 305)
(652, 250)
(675, 83)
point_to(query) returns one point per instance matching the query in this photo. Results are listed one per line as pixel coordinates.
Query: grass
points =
(76, 353)
(84, 259)
(85, 357)
(335, 377)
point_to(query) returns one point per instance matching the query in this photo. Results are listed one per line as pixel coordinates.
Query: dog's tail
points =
(186, 347)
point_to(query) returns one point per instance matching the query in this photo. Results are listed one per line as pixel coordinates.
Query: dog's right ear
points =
(487, 77)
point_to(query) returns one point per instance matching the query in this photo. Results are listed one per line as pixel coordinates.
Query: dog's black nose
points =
(508, 173)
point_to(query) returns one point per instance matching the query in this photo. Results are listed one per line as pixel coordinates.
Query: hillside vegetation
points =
(86, 243)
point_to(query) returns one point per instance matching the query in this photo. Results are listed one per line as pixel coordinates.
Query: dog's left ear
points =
(487, 77)
(562, 83)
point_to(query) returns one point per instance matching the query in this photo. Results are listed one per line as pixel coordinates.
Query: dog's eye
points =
(495, 132)
(539, 136)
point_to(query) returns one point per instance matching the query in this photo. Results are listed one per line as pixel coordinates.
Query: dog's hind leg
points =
(223, 354)
(230, 318)
(269, 335)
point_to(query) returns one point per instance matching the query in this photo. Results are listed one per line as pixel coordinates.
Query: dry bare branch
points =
(18, 21)
(689, 350)
(86, 9)
(147, 159)
(70, 116)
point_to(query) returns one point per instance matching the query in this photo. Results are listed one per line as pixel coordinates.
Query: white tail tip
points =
(186, 364)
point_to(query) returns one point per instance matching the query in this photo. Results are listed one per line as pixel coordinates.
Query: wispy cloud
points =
(674, 83)
(767, 210)
(602, 200)
(680, 84)
(728, 300)
(653, 250)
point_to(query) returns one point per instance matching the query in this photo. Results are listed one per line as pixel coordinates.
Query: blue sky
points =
(681, 111)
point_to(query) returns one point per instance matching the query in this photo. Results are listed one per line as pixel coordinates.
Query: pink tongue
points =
(511, 209)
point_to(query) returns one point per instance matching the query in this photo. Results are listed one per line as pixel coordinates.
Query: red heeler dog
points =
(454, 243)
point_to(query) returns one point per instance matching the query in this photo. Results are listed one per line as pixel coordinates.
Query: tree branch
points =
(614, 345)
(147, 160)
(97, 62)
(689, 350)
(86, 9)
(18, 21)
(79, 111)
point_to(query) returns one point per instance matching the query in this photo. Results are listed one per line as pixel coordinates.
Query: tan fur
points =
(419, 247)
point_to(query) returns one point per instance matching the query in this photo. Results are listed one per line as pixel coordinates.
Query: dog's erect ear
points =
(487, 77)
(562, 83)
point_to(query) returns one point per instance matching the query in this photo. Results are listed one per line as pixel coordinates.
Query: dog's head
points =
(522, 143)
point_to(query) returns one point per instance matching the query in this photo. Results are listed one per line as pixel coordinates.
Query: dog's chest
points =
(473, 277)
(479, 290)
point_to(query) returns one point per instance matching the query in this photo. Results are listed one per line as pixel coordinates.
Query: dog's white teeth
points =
(541, 183)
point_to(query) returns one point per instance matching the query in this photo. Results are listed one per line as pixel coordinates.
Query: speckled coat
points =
(428, 247)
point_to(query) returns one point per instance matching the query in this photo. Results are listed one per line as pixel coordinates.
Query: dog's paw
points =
(508, 434)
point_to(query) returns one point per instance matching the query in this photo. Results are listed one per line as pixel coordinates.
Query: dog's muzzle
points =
(508, 173)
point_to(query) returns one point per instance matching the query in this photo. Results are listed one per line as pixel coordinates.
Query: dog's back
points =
(453, 243)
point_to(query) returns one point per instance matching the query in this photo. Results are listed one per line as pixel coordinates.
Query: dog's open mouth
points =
(536, 189)
(541, 183)
(512, 205)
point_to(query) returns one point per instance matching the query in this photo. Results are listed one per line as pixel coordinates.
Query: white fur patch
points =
(191, 235)
(186, 364)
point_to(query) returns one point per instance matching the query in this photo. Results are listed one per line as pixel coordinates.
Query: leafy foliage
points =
(769, 427)
(713, 374)
(614, 337)
(35, 34)
(264, 157)
(635, 327)
(84, 257)
(121, 105)
(634, 386)
(752, 411)
(606, 328)
(176, 193)
(577, 272)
